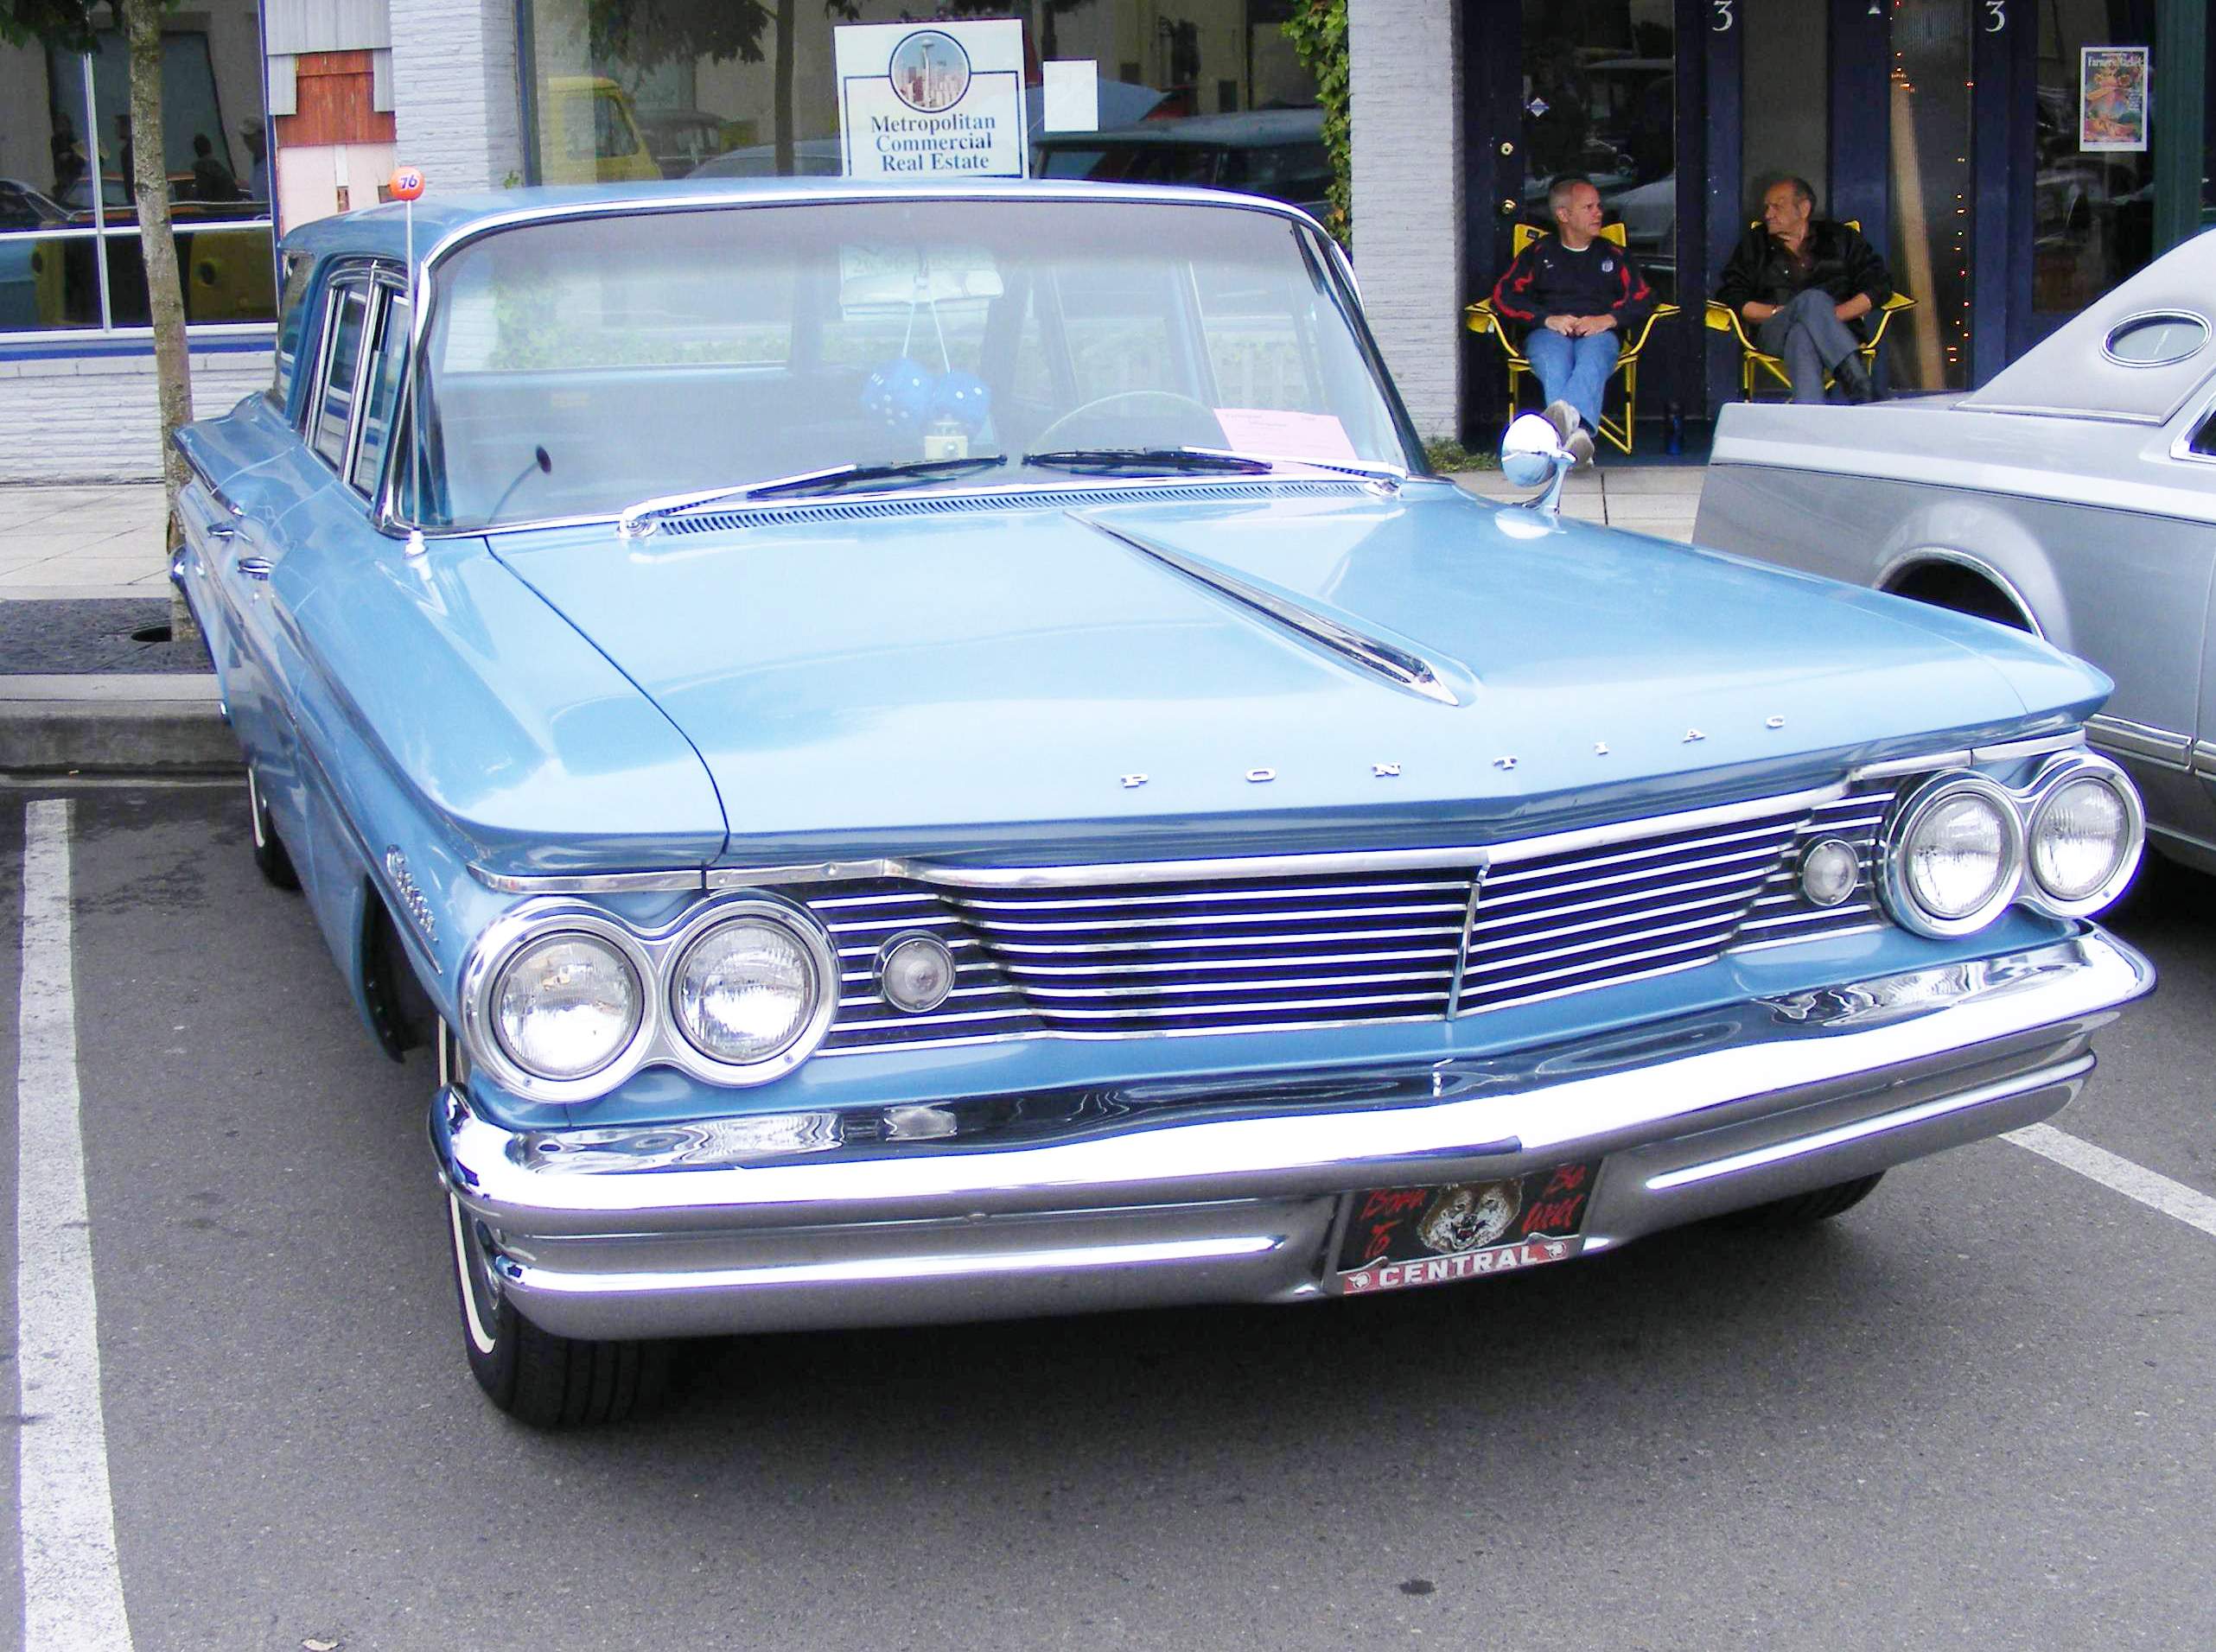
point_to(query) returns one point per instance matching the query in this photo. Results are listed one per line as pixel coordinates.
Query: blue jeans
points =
(1807, 334)
(1575, 371)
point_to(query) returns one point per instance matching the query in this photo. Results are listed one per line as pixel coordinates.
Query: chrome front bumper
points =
(1234, 1192)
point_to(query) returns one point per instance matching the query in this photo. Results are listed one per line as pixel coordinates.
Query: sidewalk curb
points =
(166, 725)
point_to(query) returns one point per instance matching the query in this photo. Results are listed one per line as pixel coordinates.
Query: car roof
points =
(381, 231)
(2072, 371)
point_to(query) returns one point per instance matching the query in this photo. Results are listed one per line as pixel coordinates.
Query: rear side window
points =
(341, 357)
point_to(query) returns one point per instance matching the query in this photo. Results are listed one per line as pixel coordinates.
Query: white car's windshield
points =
(582, 365)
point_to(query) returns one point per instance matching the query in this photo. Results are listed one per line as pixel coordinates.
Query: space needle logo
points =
(930, 71)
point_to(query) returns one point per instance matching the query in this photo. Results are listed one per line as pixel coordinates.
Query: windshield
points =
(580, 365)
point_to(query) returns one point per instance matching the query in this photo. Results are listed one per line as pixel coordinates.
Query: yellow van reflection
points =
(591, 134)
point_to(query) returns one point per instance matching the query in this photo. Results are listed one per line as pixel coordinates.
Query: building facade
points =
(2012, 159)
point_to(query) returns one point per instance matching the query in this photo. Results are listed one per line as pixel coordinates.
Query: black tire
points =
(537, 1377)
(1819, 1205)
(269, 856)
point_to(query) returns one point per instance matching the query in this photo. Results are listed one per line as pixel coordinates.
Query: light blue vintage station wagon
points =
(917, 754)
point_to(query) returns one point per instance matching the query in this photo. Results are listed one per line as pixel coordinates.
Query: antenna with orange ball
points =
(407, 184)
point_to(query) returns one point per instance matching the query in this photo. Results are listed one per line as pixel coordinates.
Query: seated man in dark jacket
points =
(1577, 296)
(1804, 284)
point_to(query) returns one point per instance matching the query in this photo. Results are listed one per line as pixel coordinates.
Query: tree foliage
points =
(64, 24)
(1317, 29)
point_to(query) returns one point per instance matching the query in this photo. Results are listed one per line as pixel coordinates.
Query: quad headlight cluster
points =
(1962, 848)
(561, 1003)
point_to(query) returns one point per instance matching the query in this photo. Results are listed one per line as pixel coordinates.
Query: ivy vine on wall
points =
(1317, 29)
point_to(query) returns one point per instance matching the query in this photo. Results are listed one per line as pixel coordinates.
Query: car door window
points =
(381, 395)
(341, 357)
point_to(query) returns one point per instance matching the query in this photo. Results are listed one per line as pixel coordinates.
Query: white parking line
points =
(2195, 1210)
(72, 1589)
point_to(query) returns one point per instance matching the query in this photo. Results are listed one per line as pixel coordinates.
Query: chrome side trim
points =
(2007, 751)
(590, 883)
(2203, 758)
(1398, 666)
(1861, 1129)
(2145, 741)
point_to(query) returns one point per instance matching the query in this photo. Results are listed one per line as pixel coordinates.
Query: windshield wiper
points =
(1215, 461)
(638, 520)
(1109, 460)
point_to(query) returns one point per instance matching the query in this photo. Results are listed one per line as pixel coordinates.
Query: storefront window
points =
(2093, 205)
(624, 91)
(1932, 194)
(70, 256)
(1786, 130)
(1599, 88)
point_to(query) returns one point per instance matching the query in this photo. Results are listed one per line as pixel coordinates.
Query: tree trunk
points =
(784, 87)
(165, 296)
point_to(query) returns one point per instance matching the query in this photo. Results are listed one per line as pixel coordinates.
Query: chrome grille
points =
(1564, 922)
(1112, 959)
(1780, 913)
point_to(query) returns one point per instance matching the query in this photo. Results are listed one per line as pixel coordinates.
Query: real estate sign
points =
(932, 101)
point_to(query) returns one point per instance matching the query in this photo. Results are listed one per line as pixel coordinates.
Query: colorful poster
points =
(2112, 90)
(932, 101)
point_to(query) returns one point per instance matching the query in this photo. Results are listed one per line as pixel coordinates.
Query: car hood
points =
(919, 675)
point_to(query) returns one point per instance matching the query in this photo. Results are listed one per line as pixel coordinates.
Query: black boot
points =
(1854, 378)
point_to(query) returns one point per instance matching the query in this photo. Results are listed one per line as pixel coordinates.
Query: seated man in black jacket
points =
(1804, 284)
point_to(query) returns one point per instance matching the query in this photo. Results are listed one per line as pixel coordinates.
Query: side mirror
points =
(1531, 455)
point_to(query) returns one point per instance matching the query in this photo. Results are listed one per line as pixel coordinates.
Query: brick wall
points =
(96, 418)
(1406, 57)
(454, 91)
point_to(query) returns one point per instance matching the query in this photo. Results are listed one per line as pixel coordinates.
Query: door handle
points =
(256, 568)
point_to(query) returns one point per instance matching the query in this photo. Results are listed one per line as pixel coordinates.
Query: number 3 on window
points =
(1723, 20)
(1996, 15)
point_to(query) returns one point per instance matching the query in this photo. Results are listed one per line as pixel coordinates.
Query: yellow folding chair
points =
(1479, 318)
(1723, 318)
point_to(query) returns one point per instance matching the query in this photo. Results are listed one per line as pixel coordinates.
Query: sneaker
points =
(1564, 417)
(1580, 448)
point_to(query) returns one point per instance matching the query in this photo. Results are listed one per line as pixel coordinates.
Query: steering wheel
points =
(1135, 418)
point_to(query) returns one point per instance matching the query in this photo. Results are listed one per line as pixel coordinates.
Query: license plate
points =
(1397, 1237)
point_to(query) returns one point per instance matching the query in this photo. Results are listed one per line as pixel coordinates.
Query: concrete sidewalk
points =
(95, 541)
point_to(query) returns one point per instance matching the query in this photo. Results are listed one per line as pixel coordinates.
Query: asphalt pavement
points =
(1974, 1412)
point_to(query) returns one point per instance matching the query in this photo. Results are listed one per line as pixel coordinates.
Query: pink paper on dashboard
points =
(1274, 434)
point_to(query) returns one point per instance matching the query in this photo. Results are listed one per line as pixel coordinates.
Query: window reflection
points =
(1599, 91)
(2092, 212)
(70, 258)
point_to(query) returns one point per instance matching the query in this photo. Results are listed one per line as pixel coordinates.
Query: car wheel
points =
(1820, 1204)
(269, 856)
(535, 1377)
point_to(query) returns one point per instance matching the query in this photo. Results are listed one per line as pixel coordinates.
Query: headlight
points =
(753, 989)
(2085, 838)
(1955, 856)
(566, 1005)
